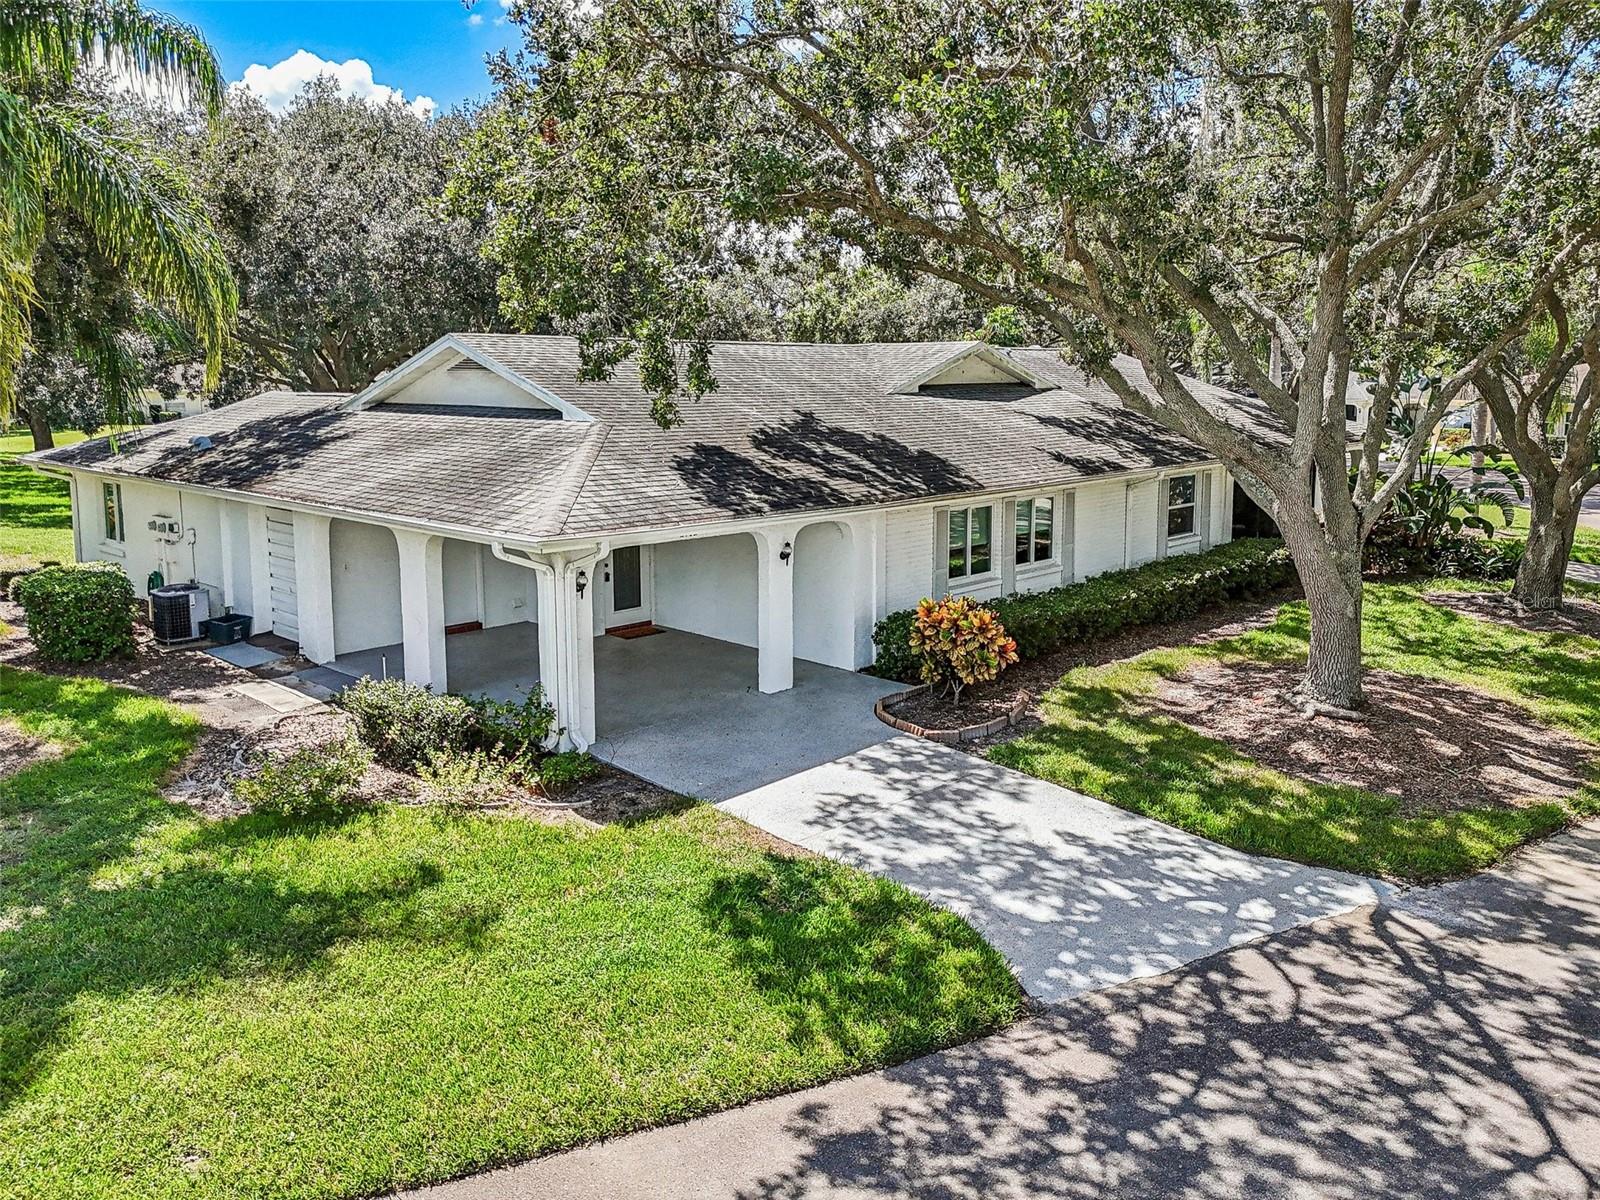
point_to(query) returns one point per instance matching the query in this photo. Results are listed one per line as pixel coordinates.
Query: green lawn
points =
(35, 511)
(1096, 741)
(1585, 543)
(266, 1007)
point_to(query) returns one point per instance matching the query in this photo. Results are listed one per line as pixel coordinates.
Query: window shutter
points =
(941, 552)
(1202, 510)
(1064, 532)
(1162, 489)
(1005, 545)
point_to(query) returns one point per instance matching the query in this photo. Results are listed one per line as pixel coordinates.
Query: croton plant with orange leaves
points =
(960, 643)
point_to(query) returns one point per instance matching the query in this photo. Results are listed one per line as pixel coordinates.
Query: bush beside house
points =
(78, 613)
(1168, 590)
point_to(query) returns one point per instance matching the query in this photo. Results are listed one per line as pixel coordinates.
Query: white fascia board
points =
(997, 359)
(464, 533)
(419, 362)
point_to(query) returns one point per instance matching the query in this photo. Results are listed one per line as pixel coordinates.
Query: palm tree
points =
(57, 157)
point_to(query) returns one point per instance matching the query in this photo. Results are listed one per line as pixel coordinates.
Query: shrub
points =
(1168, 590)
(562, 772)
(895, 658)
(520, 729)
(459, 778)
(78, 613)
(958, 642)
(311, 780)
(405, 722)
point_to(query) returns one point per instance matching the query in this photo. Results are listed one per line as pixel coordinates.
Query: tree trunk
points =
(1543, 572)
(43, 439)
(1480, 431)
(1332, 582)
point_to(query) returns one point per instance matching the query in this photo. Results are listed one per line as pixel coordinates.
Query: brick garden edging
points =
(966, 733)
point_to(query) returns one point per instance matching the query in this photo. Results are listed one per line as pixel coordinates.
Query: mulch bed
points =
(934, 708)
(1435, 746)
(235, 734)
(206, 779)
(1575, 616)
(1039, 675)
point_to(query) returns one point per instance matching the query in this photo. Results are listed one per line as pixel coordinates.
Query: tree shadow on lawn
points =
(1096, 741)
(831, 948)
(104, 897)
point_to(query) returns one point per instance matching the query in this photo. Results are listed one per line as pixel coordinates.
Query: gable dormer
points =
(453, 373)
(973, 363)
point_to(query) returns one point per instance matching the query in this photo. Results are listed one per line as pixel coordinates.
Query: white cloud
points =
(475, 19)
(279, 84)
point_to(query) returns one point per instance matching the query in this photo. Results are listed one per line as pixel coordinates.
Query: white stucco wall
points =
(198, 556)
(824, 596)
(509, 592)
(708, 586)
(365, 566)
(462, 597)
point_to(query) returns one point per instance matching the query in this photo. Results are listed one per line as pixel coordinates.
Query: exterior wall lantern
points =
(583, 583)
(786, 553)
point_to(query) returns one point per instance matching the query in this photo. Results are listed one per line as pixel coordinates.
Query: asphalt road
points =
(1443, 1044)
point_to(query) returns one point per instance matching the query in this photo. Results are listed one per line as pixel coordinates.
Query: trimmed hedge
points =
(78, 613)
(1168, 590)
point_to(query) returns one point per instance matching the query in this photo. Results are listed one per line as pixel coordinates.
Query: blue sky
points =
(422, 48)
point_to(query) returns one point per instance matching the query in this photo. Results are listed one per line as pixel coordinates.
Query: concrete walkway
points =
(1076, 893)
(1445, 1044)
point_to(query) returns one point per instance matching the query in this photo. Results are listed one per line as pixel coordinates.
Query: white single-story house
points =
(480, 518)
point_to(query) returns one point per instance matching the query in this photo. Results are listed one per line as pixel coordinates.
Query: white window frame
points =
(1193, 505)
(1028, 564)
(968, 575)
(111, 498)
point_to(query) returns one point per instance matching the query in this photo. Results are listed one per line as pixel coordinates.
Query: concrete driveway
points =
(1445, 1045)
(1076, 893)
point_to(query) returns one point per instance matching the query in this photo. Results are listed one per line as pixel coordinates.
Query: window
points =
(1180, 506)
(111, 499)
(1035, 529)
(1350, 413)
(971, 532)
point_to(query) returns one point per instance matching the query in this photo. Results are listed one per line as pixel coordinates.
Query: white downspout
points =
(558, 670)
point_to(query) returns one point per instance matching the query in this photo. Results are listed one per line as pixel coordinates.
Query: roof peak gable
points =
(450, 353)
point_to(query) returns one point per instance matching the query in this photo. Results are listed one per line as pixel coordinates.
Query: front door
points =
(626, 578)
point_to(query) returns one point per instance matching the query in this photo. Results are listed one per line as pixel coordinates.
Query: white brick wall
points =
(1100, 516)
(908, 556)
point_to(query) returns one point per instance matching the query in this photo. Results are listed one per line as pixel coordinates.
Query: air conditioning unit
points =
(168, 529)
(177, 611)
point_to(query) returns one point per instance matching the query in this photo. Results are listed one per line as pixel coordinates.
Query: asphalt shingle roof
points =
(789, 428)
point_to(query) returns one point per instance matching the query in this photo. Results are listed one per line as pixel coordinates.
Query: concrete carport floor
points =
(678, 709)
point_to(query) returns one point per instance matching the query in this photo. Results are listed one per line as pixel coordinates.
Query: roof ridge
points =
(588, 461)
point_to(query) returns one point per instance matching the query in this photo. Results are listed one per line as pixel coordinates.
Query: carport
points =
(679, 709)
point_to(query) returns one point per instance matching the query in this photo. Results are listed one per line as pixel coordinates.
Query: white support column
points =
(775, 608)
(230, 585)
(422, 607)
(867, 576)
(578, 614)
(313, 572)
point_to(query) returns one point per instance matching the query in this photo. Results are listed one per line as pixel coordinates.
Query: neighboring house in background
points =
(478, 516)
